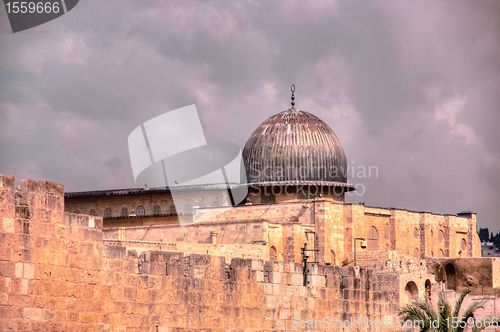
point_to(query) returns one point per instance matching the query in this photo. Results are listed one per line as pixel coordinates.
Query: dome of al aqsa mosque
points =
(294, 154)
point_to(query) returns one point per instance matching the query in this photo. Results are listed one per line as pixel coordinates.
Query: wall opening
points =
(373, 239)
(441, 237)
(451, 277)
(273, 254)
(428, 289)
(140, 211)
(411, 291)
(333, 257)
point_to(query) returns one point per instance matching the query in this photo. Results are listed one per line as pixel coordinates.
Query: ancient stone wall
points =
(496, 272)
(328, 227)
(491, 306)
(335, 225)
(226, 233)
(57, 273)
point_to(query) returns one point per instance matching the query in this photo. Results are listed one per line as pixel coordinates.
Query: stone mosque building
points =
(293, 253)
(297, 180)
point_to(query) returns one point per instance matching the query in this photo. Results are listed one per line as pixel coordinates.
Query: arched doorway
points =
(373, 239)
(451, 277)
(273, 254)
(428, 289)
(333, 258)
(411, 291)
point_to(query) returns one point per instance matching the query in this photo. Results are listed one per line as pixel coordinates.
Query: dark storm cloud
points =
(410, 87)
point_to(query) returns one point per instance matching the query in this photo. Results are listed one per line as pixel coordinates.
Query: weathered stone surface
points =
(63, 276)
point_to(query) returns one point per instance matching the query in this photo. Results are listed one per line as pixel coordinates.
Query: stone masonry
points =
(59, 273)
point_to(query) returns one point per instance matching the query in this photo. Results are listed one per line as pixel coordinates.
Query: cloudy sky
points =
(410, 87)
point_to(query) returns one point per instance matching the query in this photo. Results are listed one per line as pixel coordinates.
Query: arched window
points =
(373, 239)
(92, 212)
(333, 257)
(411, 291)
(139, 211)
(463, 244)
(124, 212)
(156, 210)
(441, 237)
(428, 289)
(273, 254)
(108, 212)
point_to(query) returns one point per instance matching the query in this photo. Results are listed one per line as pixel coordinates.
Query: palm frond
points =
(460, 300)
(426, 306)
(469, 313)
(414, 314)
(444, 313)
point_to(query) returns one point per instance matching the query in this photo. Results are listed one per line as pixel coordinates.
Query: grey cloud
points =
(72, 90)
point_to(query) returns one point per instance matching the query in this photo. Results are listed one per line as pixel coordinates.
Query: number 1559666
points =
(33, 7)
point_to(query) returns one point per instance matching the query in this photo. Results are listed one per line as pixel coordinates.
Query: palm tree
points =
(422, 315)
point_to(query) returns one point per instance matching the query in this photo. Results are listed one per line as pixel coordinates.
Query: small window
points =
(416, 232)
(108, 213)
(441, 236)
(92, 212)
(273, 254)
(373, 239)
(156, 210)
(463, 244)
(172, 208)
(140, 211)
(124, 212)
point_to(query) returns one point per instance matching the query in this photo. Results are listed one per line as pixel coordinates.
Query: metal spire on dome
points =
(292, 88)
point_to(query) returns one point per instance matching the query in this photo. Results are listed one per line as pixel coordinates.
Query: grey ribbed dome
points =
(295, 147)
